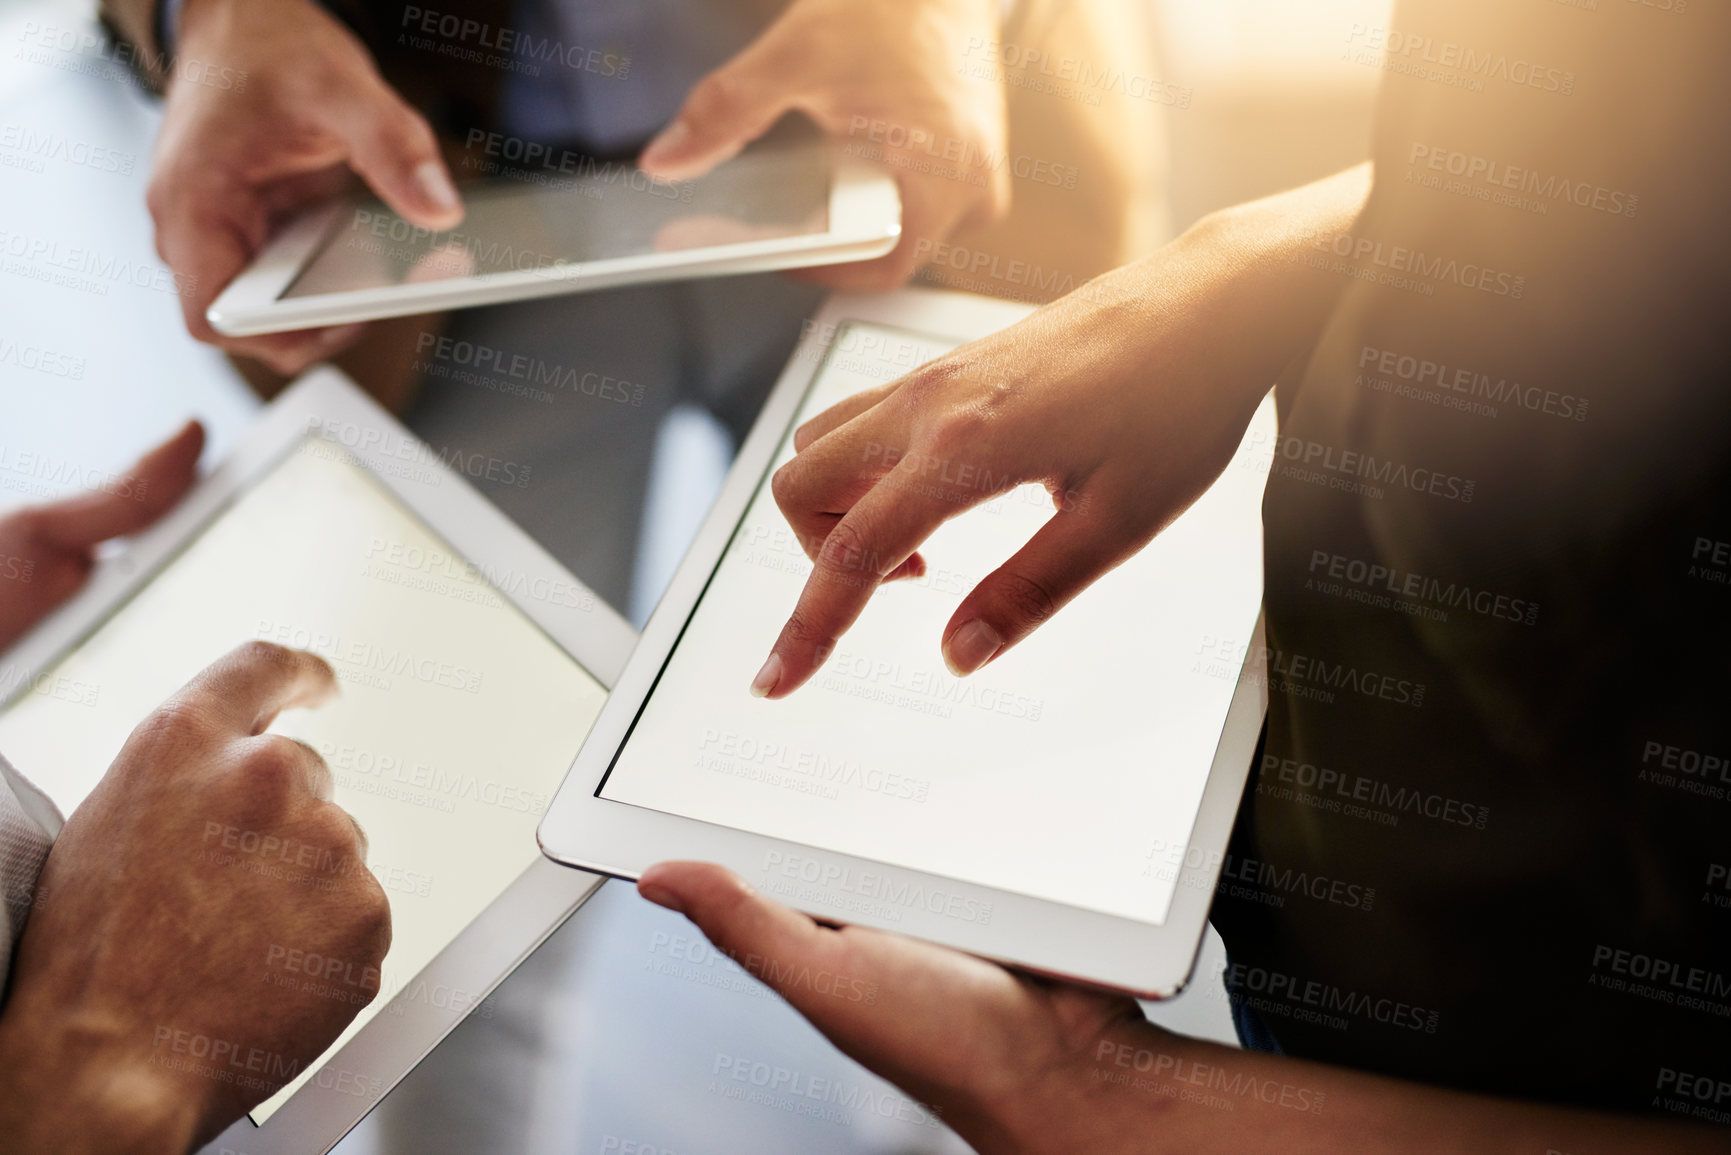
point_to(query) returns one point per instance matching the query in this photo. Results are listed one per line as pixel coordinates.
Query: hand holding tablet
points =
(297, 106)
(237, 161)
(941, 129)
(242, 191)
(784, 203)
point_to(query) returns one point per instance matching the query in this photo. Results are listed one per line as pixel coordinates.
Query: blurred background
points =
(611, 1035)
(1276, 103)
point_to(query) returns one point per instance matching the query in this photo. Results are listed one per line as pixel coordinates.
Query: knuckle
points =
(331, 827)
(402, 127)
(373, 914)
(181, 721)
(339, 78)
(377, 910)
(957, 431)
(279, 754)
(718, 96)
(1029, 601)
(784, 485)
(275, 768)
(847, 551)
(930, 380)
(802, 631)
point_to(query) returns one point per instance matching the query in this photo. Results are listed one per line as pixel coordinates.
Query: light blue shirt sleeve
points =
(167, 20)
(616, 71)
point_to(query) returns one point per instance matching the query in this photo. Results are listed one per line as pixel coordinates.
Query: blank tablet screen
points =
(547, 217)
(457, 719)
(1065, 770)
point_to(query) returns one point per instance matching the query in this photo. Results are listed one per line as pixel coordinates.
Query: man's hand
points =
(153, 998)
(47, 551)
(232, 163)
(886, 79)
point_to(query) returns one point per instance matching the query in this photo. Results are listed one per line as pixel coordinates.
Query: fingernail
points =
(436, 186)
(668, 144)
(971, 647)
(661, 896)
(764, 684)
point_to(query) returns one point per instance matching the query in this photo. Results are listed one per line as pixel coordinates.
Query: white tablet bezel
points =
(324, 403)
(864, 222)
(583, 830)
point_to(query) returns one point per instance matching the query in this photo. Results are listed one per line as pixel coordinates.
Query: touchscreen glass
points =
(1070, 769)
(457, 717)
(569, 213)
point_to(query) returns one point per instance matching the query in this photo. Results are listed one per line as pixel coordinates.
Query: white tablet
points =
(471, 667)
(778, 205)
(1064, 810)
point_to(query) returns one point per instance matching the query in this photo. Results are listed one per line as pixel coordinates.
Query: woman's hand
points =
(1124, 399)
(1095, 397)
(1002, 1058)
(1023, 1066)
(887, 78)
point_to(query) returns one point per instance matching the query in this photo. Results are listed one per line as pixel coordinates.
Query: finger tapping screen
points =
(1064, 770)
(456, 721)
(549, 219)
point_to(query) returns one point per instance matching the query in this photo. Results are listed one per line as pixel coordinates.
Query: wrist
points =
(1105, 1099)
(71, 1087)
(1270, 242)
(1267, 295)
(213, 23)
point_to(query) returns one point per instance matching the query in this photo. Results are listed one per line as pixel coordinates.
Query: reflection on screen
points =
(1066, 770)
(604, 212)
(457, 718)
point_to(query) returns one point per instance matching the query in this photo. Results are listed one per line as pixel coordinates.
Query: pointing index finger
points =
(867, 545)
(250, 685)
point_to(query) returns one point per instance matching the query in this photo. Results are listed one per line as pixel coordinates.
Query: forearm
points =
(1237, 286)
(1268, 242)
(1146, 1091)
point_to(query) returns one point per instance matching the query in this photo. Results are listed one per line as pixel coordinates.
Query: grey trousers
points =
(552, 406)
